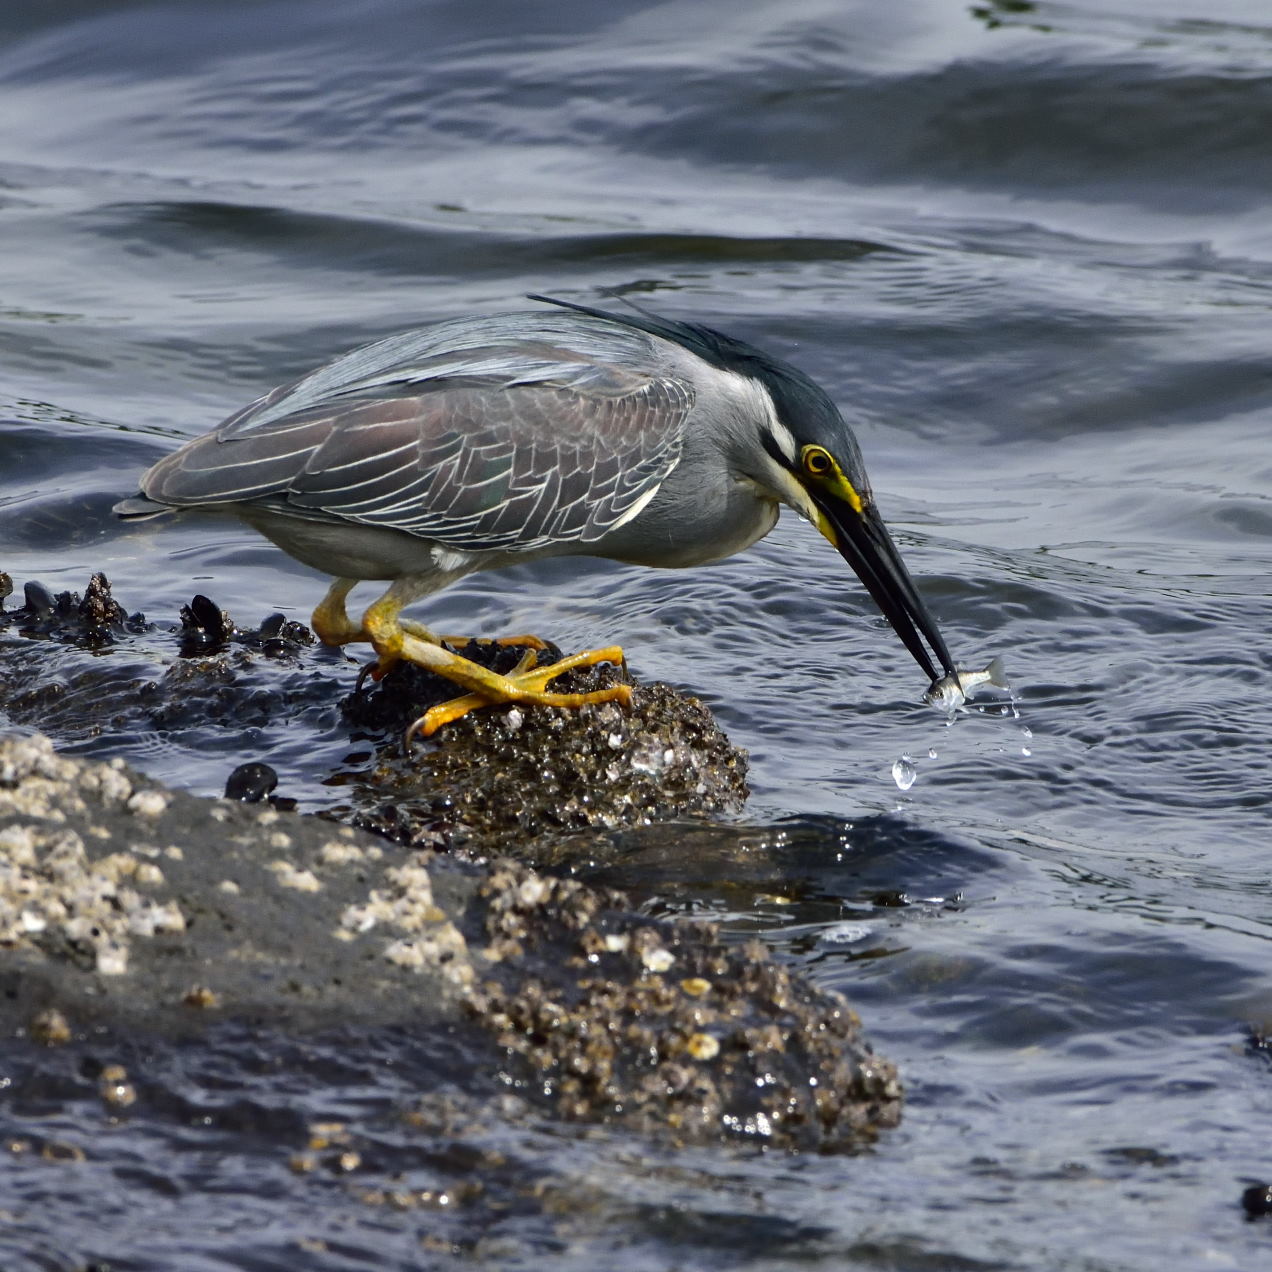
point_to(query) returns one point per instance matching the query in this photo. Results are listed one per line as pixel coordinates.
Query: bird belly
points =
(351, 551)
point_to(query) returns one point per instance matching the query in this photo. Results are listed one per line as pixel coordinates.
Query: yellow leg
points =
(333, 626)
(505, 642)
(331, 622)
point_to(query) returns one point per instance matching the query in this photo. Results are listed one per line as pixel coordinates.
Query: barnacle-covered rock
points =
(133, 909)
(513, 779)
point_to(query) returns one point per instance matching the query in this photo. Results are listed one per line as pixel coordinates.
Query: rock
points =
(660, 1027)
(203, 673)
(130, 910)
(500, 780)
(119, 899)
(1256, 1201)
(515, 780)
(136, 910)
(204, 627)
(251, 783)
(91, 621)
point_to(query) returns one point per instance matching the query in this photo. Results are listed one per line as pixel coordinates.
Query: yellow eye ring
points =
(817, 462)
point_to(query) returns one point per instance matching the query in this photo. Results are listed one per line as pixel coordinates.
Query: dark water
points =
(1028, 249)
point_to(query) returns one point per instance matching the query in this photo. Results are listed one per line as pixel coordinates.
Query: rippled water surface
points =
(1028, 249)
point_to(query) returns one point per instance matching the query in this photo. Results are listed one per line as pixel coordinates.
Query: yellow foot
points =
(401, 640)
(528, 687)
(377, 669)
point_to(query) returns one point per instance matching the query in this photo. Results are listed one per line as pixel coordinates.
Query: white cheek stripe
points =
(793, 494)
(763, 403)
(781, 434)
(754, 399)
(783, 484)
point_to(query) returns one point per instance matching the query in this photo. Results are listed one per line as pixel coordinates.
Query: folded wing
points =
(489, 449)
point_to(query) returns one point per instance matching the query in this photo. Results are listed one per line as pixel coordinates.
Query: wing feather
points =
(515, 464)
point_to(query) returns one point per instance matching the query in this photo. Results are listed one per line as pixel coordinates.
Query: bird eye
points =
(817, 461)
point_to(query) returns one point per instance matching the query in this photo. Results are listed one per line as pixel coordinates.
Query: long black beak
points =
(864, 542)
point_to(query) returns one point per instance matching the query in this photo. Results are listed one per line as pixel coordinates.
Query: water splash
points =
(904, 772)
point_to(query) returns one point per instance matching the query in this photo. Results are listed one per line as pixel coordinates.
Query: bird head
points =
(814, 465)
(806, 456)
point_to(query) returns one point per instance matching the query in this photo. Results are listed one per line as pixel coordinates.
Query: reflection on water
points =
(1026, 248)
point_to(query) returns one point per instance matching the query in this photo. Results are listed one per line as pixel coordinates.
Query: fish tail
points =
(997, 674)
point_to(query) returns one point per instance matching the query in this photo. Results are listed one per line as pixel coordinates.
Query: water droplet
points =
(904, 772)
(931, 753)
(1026, 731)
(843, 933)
(1024, 750)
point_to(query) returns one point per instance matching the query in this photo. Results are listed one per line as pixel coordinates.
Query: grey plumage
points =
(471, 448)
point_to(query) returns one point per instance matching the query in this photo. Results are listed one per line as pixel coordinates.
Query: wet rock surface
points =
(195, 674)
(127, 906)
(499, 780)
(661, 1027)
(90, 621)
(1256, 1201)
(514, 779)
(131, 910)
(127, 903)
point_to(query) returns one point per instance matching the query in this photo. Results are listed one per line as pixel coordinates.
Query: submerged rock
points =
(91, 621)
(201, 673)
(1256, 1201)
(134, 909)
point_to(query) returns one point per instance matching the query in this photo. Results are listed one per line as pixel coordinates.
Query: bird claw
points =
(375, 669)
(527, 685)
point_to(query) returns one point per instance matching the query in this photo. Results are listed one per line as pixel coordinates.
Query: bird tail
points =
(139, 508)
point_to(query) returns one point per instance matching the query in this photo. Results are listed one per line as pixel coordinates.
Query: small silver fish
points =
(952, 691)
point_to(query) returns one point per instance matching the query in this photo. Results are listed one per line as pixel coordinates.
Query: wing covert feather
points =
(472, 465)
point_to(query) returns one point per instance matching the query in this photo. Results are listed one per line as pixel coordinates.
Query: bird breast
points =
(693, 522)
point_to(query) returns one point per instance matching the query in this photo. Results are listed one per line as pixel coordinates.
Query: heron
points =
(478, 443)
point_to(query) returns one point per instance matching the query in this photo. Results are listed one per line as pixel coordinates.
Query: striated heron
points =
(482, 442)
